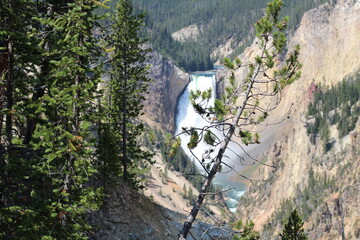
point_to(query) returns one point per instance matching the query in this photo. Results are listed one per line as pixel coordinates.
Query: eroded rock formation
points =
(330, 50)
(168, 83)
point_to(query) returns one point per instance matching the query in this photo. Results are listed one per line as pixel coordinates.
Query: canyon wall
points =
(129, 215)
(126, 214)
(330, 50)
(168, 82)
(329, 37)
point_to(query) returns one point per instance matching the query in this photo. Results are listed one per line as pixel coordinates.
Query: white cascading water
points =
(187, 117)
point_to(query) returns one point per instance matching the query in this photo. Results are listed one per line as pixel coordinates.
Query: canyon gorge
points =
(330, 51)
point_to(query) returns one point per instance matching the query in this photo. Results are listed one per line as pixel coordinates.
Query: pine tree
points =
(44, 10)
(19, 55)
(49, 158)
(63, 140)
(293, 228)
(246, 230)
(191, 195)
(126, 90)
(48, 115)
(242, 106)
(185, 191)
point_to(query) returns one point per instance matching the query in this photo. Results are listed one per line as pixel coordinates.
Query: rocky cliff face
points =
(127, 214)
(323, 186)
(158, 212)
(189, 33)
(329, 38)
(168, 83)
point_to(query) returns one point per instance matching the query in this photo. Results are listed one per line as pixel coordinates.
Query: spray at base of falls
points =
(187, 117)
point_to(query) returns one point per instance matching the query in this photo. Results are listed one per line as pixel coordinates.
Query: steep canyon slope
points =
(158, 211)
(329, 36)
(168, 82)
(324, 185)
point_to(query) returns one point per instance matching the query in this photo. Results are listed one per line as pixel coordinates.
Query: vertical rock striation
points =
(330, 50)
(168, 83)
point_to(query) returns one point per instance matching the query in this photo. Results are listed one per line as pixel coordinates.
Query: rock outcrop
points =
(126, 214)
(189, 33)
(329, 37)
(168, 83)
(330, 50)
(129, 215)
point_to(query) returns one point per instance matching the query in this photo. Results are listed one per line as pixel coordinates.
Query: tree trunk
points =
(124, 120)
(204, 189)
(3, 70)
(9, 93)
(31, 122)
(217, 163)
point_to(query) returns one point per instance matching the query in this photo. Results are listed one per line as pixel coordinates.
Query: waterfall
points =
(187, 117)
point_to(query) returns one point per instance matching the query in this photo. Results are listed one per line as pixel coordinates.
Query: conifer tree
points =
(19, 53)
(246, 231)
(49, 191)
(242, 106)
(19, 56)
(44, 10)
(126, 91)
(293, 228)
(64, 139)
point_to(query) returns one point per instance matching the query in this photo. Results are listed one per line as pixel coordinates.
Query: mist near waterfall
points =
(187, 118)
